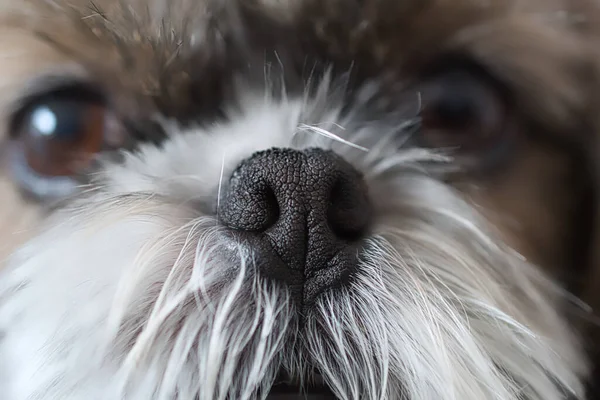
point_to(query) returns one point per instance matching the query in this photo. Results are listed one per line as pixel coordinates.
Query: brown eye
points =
(60, 137)
(55, 137)
(461, 110)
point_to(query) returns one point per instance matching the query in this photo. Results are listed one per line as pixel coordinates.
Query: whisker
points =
(419, 103)
(330, 135)
(410, 158)
(279, 61)
(220, 186)
(330, 123)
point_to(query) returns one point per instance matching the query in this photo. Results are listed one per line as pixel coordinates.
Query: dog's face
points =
(358, 200)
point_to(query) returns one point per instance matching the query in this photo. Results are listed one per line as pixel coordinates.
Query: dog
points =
(250, 199)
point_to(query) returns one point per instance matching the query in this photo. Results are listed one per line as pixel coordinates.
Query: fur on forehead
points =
(174, 55)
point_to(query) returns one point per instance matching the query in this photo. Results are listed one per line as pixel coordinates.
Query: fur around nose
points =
(307, 207)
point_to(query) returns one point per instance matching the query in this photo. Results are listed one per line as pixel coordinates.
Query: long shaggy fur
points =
(135, 292)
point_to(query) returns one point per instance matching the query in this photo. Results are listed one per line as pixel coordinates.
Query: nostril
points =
(271, 207)
(349, 213)
(267, 209)
(250, 207)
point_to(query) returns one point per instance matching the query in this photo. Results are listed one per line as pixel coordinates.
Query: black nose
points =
(304, 212)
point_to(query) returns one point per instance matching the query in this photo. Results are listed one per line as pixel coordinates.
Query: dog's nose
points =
(304, 212)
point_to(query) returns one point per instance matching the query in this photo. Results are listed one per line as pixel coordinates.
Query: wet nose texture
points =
(304, 214)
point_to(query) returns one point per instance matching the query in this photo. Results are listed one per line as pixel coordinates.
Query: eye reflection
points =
(44, 120)
(54, 139)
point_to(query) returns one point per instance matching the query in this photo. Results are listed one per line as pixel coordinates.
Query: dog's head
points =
(356, 199)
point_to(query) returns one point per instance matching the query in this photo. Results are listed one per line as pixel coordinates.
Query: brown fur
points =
(546, 52)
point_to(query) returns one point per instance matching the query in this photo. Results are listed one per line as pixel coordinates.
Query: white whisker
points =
(330, 135)
(220, 186)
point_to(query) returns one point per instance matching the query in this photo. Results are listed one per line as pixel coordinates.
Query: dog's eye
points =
(59, 137)
(460, 110)
(55, 137)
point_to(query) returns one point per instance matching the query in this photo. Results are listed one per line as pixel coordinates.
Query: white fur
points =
(133, 292)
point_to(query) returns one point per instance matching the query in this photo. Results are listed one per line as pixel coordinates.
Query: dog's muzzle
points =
(304, 214)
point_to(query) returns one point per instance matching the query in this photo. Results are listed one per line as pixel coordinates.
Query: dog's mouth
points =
(293, 392)
(287, 388)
